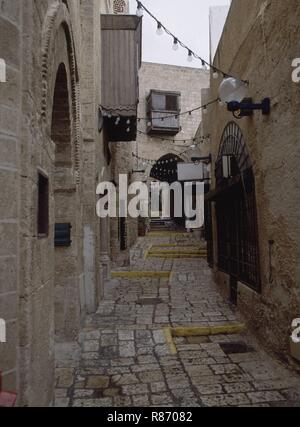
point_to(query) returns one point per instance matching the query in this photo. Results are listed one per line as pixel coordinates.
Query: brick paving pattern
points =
(124, 360)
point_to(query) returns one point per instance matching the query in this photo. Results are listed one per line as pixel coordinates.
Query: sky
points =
(186, 19)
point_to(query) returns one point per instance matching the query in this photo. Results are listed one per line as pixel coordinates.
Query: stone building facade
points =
(264, 272)
(52, 158)
(174, 79)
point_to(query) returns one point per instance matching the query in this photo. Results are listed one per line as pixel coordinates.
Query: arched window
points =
(238, 251)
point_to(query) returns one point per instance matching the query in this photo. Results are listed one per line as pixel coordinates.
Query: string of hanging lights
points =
(169, 116)
(177, 43)
(171, 162)
(203, 107)
(196, 141)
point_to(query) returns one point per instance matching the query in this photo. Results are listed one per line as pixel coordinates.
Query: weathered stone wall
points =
(188, 81)
(259, 42)
(122, 163)
(48, 124)
(10, 95)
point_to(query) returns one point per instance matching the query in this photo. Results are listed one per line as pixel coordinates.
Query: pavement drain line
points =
(196, 331)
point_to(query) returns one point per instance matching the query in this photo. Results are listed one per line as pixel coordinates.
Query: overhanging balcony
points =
(121, 60)
(163, 109)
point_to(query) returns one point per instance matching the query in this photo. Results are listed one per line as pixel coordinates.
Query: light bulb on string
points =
(139, 10)
(175, 44)
(159, 30)
(128, 130)
(205, 110)
(204, 65)
(128, 122)
(190, 56)
(215, 75)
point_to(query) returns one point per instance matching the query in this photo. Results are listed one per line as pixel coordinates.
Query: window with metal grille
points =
(43, 205)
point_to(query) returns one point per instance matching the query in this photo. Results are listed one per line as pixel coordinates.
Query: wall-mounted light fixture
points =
(247, 107)
(233, 92)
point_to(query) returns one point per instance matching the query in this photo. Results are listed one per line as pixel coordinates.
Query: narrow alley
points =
(145, 346)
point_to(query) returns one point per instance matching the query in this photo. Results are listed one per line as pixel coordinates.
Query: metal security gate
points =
(238, 250)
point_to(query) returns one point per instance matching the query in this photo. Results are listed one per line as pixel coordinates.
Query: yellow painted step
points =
(198, 331)
(179, 246)
(140, 274)
(172, 256)
(236, 328)
(166, 234)
(176, 252)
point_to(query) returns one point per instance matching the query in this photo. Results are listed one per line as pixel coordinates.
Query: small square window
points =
(43, 205)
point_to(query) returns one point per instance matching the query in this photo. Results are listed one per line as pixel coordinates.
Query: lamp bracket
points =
(246, 107)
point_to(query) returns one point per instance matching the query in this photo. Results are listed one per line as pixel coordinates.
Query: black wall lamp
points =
(246, 107)
(233, 92)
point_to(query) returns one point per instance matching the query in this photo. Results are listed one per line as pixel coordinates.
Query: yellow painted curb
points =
(177, 245)
(171, 333)
(166, 234)
(181, 256)
(197, 331)
(209, 330)
(169, 340)
(176, 252)
(140, 274)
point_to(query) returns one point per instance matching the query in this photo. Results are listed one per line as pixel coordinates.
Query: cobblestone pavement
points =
(125, 361)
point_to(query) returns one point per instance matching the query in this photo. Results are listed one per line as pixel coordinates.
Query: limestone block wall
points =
(251, 49)
(10, 95)
(48, 125)
(122, 163)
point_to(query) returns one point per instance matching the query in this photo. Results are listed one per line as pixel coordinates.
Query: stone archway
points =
(60, 119)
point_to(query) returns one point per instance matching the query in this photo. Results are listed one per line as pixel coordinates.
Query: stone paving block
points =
(158, 387)
(225, 400)
(210, 389)
(97, 382)
(108, 340)
(127, 349)
(126, 379)
(91, 346)
(122, 401)
(141, 401)
(92, 403)
(159, 337)
(238, 388)
(151, 376)
(226, 369)
(265, 396)
(126, 335)
(161, 399)
(135, 389)
(262, 370)
(81, 393)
